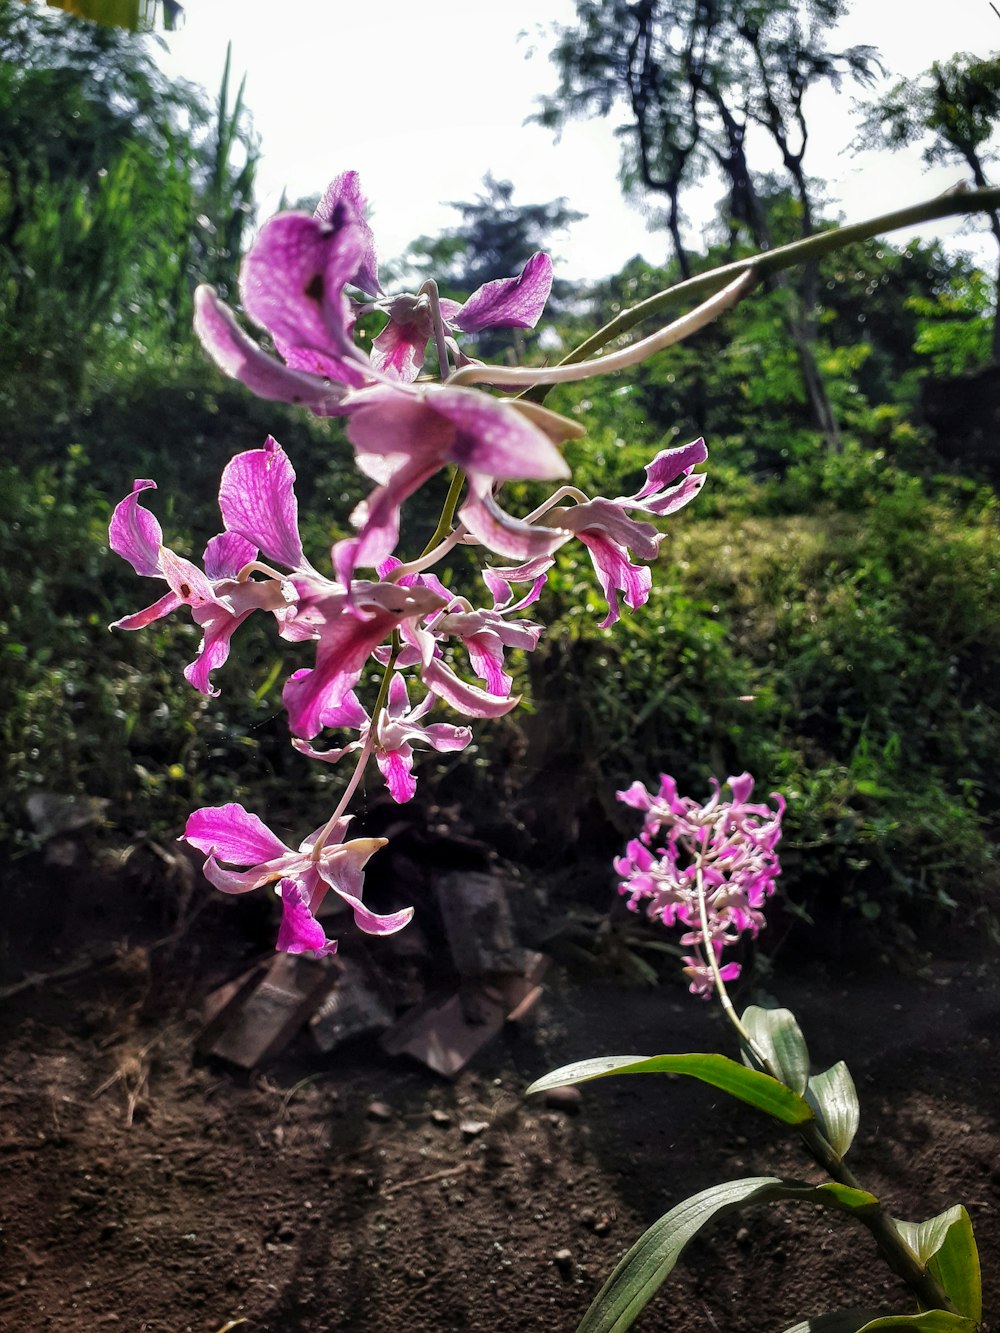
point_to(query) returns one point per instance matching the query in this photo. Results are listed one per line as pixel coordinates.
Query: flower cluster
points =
(305, 282)
(708, 868)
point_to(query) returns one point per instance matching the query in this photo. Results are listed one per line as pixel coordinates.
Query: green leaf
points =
(780, 1040)
(748, 1085)
(640, 1273)
(834, 1098)
(653, 1257)
(870, 1321)
(946, 1246)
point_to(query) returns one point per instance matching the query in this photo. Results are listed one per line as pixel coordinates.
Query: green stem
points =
(894, 1250)
(774, 261)
(447, 512)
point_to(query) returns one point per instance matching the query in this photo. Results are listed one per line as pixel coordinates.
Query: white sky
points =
(424, 98)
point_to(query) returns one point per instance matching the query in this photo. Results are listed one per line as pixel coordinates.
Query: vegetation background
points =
(824, 615)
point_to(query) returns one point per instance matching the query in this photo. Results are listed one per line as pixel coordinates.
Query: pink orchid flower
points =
(721, 850)
(219, 600)
(398, 728)
(399, 350)
(229, 833)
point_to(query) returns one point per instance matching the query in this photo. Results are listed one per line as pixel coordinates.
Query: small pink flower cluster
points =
(371, 606)
(714, 869)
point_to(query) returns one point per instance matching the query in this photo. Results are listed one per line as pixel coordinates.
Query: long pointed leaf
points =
(653, 1257)
(748, 1085)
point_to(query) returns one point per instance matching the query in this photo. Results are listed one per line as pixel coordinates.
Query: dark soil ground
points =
(148, 1189)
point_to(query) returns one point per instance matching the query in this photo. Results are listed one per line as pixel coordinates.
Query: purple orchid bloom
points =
(722, 850)
(399, 350)
(220, 600)
(230, 833)
(293, 285)
(349, 626)
(402, 435)
(609, 533)
(396, 731)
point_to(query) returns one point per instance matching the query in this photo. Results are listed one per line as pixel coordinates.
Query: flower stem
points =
(366, 752)
(761, 266)
(447, 513)
(430, 290)
(566, 373)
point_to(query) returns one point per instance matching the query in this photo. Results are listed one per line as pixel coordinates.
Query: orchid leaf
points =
(779, 1038)
(946, 1246)
(748, 1085)
(640, 1273)
(870, 1321)
(653, 1257)
(833, 1097)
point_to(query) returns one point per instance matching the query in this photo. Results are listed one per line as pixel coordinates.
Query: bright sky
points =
(424, 99)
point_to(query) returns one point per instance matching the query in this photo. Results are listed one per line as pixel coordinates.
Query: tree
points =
(118, 191)
(698, 76)
(953, 110)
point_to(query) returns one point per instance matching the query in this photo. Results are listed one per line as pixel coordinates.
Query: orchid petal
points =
(292, 284)
(237, 355)
(234, 834)
(140, 619)
(226, 554)
(399, 350)
(508, 302)
(615, 573)
(505, 535)
(346, 189)
(257, 500)
(300, 932)
(396, 766)
(135, 534)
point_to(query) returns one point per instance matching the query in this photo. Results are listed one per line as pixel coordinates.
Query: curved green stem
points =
(703, 285)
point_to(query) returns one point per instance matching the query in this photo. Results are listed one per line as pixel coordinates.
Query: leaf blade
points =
(748, 1085)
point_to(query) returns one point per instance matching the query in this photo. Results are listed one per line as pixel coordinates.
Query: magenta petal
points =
(293, 278)
(494, 438)
(399, 350)
(226, 554)
(238, 355)
(370, 922)
(377, 518)
(615, 572)
(396, 766)
(346, 189)
(233, 834)
(300, 932)
(509, 302)
(348, 713)
(608, 519)
(219, 625)
(257, 500)
(443, 736)
(669, 464)
(468, 699)
(140, 619)
(186, 579)
(135, 534)
(236, 881)
(505, 535)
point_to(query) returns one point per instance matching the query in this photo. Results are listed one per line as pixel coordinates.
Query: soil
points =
(149, 1189)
